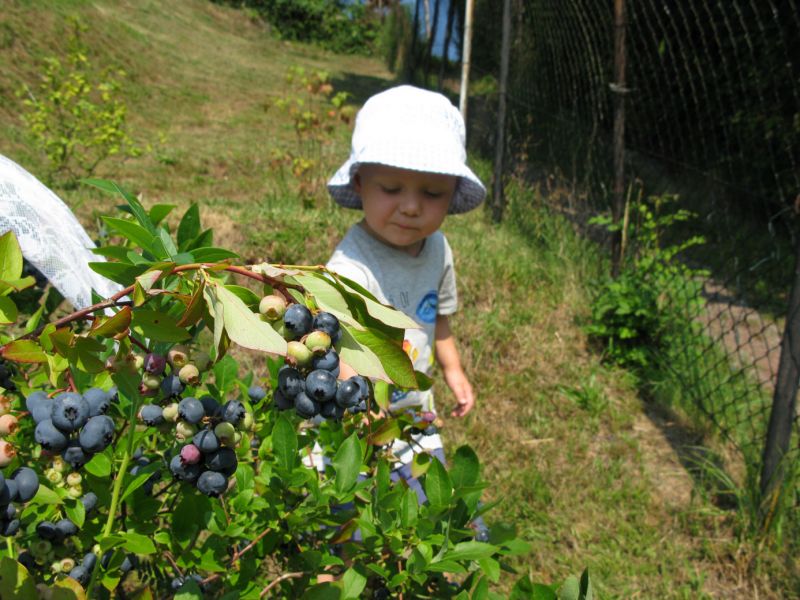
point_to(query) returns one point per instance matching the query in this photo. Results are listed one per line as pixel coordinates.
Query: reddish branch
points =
(237, 554)
(277, 580)
(116, 299)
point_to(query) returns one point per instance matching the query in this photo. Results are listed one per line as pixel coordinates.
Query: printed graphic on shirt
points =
(426, 311)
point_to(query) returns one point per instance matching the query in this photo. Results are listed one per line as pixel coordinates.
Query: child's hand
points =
(462, 389)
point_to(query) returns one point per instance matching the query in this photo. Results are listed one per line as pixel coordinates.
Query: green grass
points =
(568, 448)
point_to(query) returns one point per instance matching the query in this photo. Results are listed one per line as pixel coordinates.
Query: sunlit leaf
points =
(24, 351)
(10, 257)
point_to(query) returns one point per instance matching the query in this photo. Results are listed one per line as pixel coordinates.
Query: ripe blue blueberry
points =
(98, 400)
(39, 405)
(46, 530)
(151, 414)
(297, 321)
(327, 362)
(191, 410)
(10, 491)
(66, 528)
(80, 574)
(171, 386)
(9, 513)
(9, 528)
(349, 394)
(69, 411)
(330, 410)
(184, 472)
(212, 483)
(89, 501)
(211, 407)
(281, 401)
(27, 483)
(50, 438)
(233, 412)
(223, 461)
(256, 393)
(325, 321)
(206, 441)
(97, 434)
(290, 381)
(321, 385)
(74, 455)
(89, 561)
(305, 406)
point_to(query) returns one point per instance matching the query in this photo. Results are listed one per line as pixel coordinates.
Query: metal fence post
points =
(618, 87)
(498, 196)
(782, 415)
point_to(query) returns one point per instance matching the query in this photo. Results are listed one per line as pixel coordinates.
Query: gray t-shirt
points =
(422, 287)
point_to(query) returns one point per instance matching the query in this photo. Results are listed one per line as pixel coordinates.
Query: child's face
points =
(402, 207)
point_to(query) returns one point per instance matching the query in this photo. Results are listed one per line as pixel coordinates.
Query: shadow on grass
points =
(361, 87)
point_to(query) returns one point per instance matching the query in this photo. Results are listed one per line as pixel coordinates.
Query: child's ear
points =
(357, 183)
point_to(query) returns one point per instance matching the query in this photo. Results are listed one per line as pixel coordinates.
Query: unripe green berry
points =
(318, 342)
(189, 374)
(40, 548)
(67, 564)
(280, 329)
(237, 437)
(184, 431)
(138, 362)
(170, 412)
(151, 382)
(226, 433)
(53, 476)
(248, 422)
(59, 464)
(298, 354)
(272, 307)
(74, 479)
(55, 567)
(75, 491)
(178, 356)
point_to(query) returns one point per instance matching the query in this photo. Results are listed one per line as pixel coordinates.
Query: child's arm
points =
(448, 358)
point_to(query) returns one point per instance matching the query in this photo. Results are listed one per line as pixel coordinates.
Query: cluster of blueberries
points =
(209, 459)
(5, 376)
(20, 487)
(308, 381)
(73, 424)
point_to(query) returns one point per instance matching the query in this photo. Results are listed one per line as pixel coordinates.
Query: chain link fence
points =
(708, 93)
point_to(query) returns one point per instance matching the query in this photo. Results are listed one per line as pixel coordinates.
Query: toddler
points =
(407, 171)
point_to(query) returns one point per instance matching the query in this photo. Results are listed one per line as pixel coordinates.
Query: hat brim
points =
(469, 193)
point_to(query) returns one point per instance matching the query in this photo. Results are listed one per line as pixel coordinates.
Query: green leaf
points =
(115, 252)
(10, 257)
(466, 467)
(491, 568)
(570, 589)
(138, 543)
(420, 464)
(437, 485)
(245, 295)
(137, 234)
(122, 273)
(189, 227)
(99, 466)
(210, 254)
(470, 550)
(111, 326)
(75, 512)
(245, 327)
(24, 351)
(136, 207)
(159, 212)
(284, 443)
(158, 326)
(353, 583)
(226, 372)
(328, 297)
(189, 591)
(384, 313)
(360, 357)
(44, 495)
(347, 463)
(15, 581)
(393, 358)
(409, 508)
(8, 311)
(388, 431)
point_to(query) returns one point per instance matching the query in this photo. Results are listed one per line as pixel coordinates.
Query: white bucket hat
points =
(409, 128)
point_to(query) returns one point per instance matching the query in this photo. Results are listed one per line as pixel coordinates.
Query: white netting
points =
(50, 236)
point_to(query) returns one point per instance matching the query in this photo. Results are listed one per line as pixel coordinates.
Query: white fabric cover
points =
(50, 236)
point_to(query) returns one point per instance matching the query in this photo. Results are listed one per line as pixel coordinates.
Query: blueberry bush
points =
(139, 460)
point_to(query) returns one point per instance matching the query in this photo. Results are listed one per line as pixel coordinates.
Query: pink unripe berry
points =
(7, 453)
(190, 454)
(8, 424)
(429, 416)
(272, 307)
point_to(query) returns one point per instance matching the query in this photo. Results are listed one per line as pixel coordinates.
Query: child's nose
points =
(411, 204)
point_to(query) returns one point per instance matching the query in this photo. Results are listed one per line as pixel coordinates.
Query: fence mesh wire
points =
(713, 114)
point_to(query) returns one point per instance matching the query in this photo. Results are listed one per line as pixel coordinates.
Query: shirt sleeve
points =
(341, 265)
(448, 294)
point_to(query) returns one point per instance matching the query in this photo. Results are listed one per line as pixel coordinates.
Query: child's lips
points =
(406, 227)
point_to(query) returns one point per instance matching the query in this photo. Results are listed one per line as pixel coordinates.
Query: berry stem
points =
(10, 545)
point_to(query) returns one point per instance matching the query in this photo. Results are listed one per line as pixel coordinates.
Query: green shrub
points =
(76, 114)
(655, 294)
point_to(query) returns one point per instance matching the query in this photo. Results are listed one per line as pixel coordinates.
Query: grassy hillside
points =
(586, 472)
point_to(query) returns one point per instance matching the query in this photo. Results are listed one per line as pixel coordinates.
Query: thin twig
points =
(168, 556)
(277, 580)
(237, 554)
